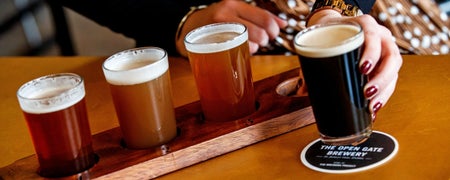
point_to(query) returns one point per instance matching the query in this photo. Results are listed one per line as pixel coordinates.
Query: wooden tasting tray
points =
(197, 140)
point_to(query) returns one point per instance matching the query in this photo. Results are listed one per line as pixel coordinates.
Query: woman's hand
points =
(381, 59)
(262, 25)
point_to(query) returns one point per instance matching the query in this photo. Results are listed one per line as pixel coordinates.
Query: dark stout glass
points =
(329, 55)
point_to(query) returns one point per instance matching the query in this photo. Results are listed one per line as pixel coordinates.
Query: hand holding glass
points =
(329, 55)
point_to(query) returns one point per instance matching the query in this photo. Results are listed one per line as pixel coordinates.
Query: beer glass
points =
(329, 56)
(141, 89)
(220, 61)
(55, 111)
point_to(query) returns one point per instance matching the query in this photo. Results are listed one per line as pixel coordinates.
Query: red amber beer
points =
(142, 93)
(220, 60)
(329, 55)
(55, 112)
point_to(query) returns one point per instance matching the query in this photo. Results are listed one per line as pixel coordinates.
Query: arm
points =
(148, 22)
(155, 23)
(262, 25)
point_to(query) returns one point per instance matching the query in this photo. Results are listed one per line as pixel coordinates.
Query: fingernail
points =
(365, 67)
(377, 107)
(371, 91)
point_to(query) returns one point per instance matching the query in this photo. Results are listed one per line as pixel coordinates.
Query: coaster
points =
(376, 150)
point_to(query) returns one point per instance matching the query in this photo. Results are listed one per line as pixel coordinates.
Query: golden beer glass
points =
(142, 94)
(220, 61)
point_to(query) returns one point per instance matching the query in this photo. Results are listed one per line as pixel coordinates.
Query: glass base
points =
(347, 140)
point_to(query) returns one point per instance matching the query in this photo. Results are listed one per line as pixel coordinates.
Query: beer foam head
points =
(51, 93)
(135, 66)
(328, 40)
(216, 37)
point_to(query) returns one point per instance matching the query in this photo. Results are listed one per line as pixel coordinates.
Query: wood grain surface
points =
(197, 140)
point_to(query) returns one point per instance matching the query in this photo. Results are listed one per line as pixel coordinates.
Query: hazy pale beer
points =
(55, 112)
(142, 93)
(220, 60)
(329, 55)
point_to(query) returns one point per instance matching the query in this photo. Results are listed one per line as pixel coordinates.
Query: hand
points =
(381, 59)
(262, 25)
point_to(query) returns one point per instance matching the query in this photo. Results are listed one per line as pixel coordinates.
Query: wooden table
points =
(417, 115)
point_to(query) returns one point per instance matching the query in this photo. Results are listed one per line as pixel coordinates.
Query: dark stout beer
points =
(329, 57)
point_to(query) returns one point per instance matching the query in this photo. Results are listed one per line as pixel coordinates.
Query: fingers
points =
(262, 25)
(378, 101)
(257, 34)
(372, 44)
(382, 81)
(253, 47)
(263, 19)
(264, 29)
(381, 61)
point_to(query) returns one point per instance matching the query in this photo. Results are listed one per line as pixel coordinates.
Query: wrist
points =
(340, 7)
(183, 20)
(322, 16)
(179, 35)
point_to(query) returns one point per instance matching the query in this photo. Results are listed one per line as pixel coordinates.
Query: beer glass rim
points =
(158, 65)
(197, 33)
(329, 50)
(70, 95)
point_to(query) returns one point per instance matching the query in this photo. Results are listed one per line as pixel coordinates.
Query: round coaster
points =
(376, 150)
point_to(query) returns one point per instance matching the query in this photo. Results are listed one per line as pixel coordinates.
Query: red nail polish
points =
(377, 107)
(365, 67)
(372, 90)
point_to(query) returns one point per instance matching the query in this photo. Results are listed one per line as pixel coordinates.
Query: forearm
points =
(148, 22)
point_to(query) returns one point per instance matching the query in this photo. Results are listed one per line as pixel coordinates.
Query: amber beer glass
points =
(220, 60)
(329, 55)
(55, 111)
(142, 93)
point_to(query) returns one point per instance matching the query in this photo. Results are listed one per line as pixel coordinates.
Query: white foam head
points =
(192, 38)
(327, 40)
(135, 66)
(51, 93)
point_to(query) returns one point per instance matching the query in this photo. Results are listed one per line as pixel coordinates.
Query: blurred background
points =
(444, 5)
(35, 28)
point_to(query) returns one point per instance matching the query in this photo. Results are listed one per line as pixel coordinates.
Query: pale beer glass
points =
(55, 111)
(141, 89)
(220, 61)
(329, 55)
